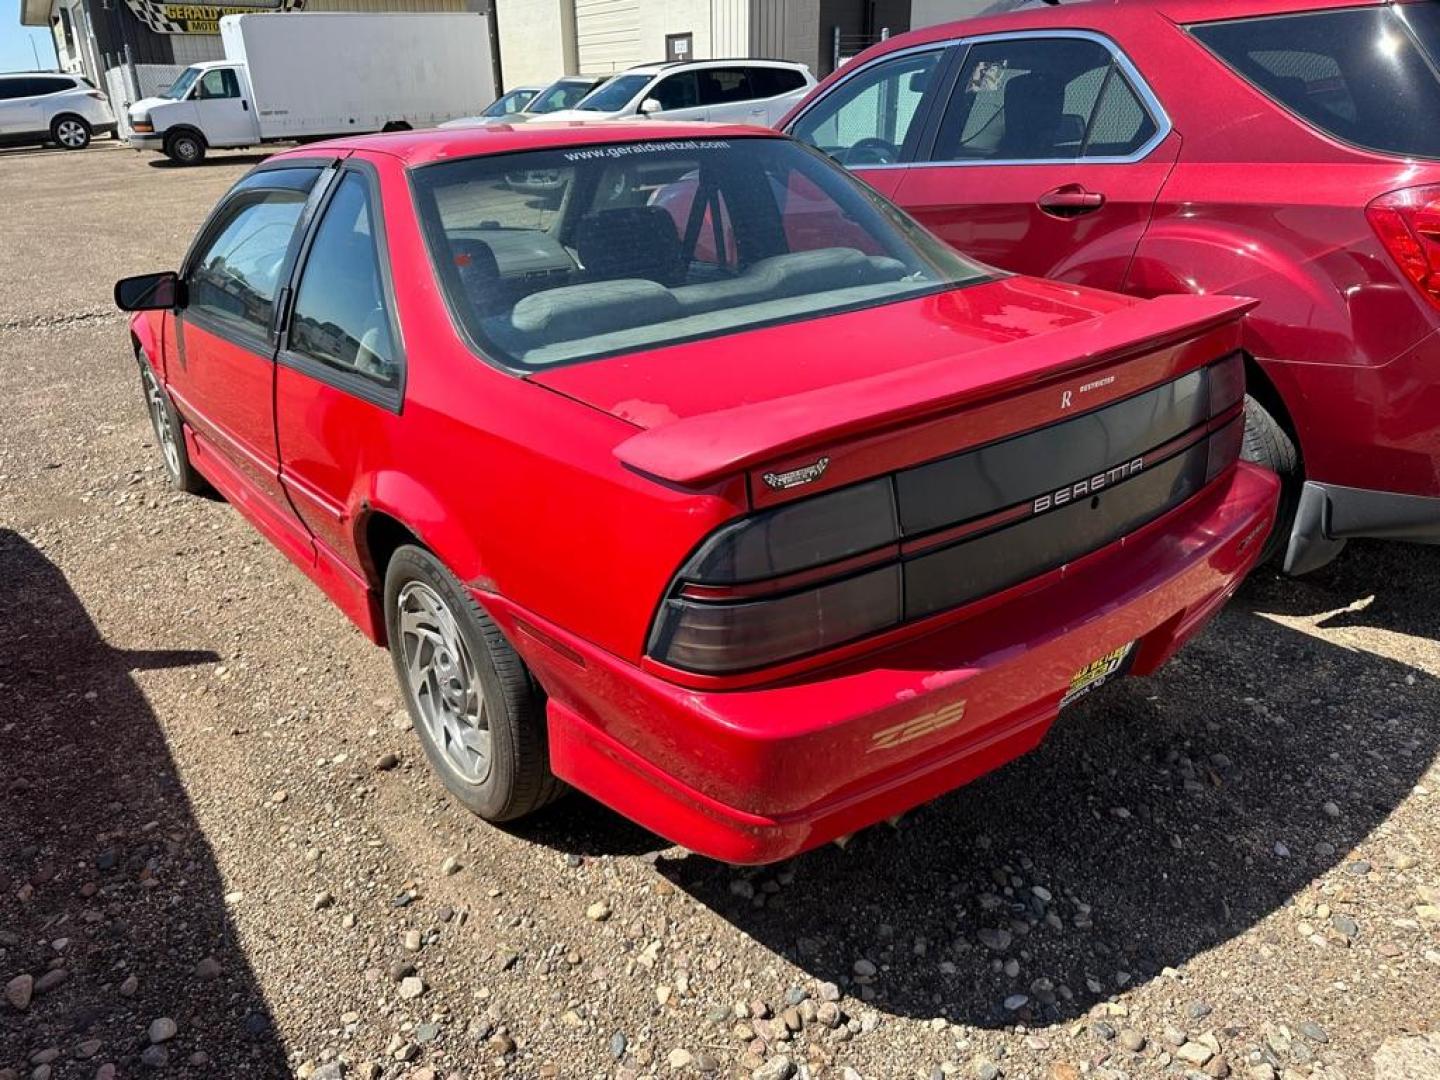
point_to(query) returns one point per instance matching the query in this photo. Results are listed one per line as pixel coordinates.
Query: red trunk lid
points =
(889, 386)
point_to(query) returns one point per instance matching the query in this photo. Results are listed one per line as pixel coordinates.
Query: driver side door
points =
(223, 378)
(873, 121)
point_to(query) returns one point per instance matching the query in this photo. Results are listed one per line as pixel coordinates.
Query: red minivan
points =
(1285, 150)
(715, 487)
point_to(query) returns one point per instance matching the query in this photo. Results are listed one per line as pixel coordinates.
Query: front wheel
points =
(70, 133)
(479, 714)
(169, 435)
(185, 148)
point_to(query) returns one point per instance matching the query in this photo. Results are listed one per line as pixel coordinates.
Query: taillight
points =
(749, 597)
(1408, 224)
(828, 570)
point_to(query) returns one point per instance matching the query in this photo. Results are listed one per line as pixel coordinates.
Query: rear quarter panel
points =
(513, 486)
(1261, 205)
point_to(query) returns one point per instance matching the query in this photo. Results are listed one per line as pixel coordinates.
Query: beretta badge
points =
(806, 474)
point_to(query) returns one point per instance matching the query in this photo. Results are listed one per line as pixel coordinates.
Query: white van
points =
(299, 76)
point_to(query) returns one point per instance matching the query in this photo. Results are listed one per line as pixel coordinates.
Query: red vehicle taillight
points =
(1408, 224)
(828, 570)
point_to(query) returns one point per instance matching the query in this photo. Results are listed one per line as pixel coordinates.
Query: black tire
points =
(185, 148)
(517, 780)
(70, 132)
(1269, 445)
(179, 473)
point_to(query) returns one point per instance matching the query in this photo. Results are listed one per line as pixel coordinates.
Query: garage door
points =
(607, 35)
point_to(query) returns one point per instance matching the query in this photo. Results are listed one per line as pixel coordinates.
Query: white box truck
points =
(298, 76)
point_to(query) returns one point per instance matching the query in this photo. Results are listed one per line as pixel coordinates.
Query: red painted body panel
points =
(517, 486)
(1247, 200)
(733, 774)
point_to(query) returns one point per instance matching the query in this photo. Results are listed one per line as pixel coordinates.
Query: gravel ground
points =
(221, 854)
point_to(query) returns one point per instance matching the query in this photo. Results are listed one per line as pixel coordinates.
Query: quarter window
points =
(1365, 75)
(767, 82)
(868, 119)
(236, 277)
(341, 317)
(1042, 99)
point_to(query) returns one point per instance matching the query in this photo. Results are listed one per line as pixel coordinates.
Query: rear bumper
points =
(756, 775)
(1329, 515)
(146, 140)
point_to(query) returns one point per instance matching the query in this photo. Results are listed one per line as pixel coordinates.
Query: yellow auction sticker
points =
(1098, 672)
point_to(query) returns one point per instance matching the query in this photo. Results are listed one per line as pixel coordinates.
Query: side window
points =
(10, 88)
(867, 119)
(218, 83)
(236, 276)
(341, 316)
(724, 86)
(676, 92)
(768, 82)
(51, 85)
(1041, 99)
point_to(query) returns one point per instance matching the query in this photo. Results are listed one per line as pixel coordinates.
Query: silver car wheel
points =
(165, 432)
(442, 681)
(71, 134)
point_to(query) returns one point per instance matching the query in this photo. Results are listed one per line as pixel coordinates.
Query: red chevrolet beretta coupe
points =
(714, 487)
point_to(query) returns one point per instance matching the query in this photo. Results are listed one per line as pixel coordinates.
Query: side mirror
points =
(150, 292)
(650, 106)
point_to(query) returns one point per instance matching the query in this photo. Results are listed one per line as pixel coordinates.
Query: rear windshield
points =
(556, 256)
(1366, 75)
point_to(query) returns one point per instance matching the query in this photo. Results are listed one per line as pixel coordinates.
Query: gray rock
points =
(984, 1069)
(50, 980)
(155, 1057)
(865, 968)
(162, 1029)
(208, 969)
(994, 938)
(1132, 1040)
(1313, 1031)
(618, 1043)
(331, 1070)
(1016, 1002)
(411, 987)
(19, 991)
(779, 1067)
(1345, 926)
(129, 987)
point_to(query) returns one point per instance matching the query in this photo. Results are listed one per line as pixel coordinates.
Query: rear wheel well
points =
(383, 536)
(1259, 386)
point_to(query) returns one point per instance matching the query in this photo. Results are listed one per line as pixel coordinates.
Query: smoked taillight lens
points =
(752, 594)
(719, 638)
(1408, 224)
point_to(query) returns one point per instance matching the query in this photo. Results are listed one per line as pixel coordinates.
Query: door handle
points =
(1070, 200)
(245, 104)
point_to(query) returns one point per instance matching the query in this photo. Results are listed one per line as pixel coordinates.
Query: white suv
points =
(46, 107)
(727, 91)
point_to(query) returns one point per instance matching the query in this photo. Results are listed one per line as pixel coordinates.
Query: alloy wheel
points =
(71, 134)
(443, 682)
(160, 420)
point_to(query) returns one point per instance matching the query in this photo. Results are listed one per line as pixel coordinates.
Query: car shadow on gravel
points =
(1384, 586)
(1158, 820)
(104, 873)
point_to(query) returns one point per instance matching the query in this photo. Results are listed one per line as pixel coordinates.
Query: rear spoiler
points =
(699, 449)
